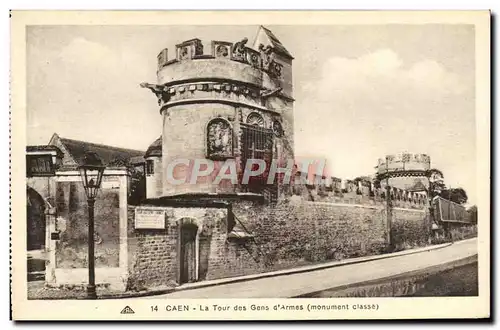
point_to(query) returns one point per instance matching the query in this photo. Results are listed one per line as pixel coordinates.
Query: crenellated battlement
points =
(358, 191)
(194, 49)
(399, 198)
(221, 101)
(404, 162)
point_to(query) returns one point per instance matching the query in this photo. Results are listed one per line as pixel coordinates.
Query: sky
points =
(361, 91)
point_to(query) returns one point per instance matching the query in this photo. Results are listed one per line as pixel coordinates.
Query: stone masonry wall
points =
(152, 257)
(294, 234)
(190, 120)
(153, 253)
(301, 233)
(291, 234)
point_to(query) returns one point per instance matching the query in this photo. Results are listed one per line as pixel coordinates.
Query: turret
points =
(405, 170)
(230, 104)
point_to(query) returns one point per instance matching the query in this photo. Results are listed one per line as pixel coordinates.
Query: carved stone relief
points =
(255, 119)
(268, 62)
(222, 51)
(267, 56)
(198, 48)
(253, 57)
(276, 69)
(184, 53)
(189, 49)
(219, 139)
(277, 128)
(239, 50)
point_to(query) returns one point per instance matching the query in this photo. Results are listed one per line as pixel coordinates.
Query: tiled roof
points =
(137, 160)
(154, 149)
(419, 186)
(44, 148)
(108, 154)
(277, 45)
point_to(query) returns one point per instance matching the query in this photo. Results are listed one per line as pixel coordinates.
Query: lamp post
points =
(91, 172)
(435, 180)
(430, 199)
(388, 203)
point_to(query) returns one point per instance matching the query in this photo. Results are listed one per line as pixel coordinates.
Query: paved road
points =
(303, 283)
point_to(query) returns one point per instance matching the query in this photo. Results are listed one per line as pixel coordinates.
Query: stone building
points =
(232, 103)
(406, 171)
(153, 158)
(57, 210)
(225, 103)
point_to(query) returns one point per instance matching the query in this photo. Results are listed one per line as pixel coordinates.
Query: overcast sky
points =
(361, 91)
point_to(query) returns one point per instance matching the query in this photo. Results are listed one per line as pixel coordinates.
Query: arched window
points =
(150, 167)
(219, 139)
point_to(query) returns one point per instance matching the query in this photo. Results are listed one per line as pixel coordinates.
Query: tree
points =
(434, 172)
(137, 191)
(436, 181)
(362, 178)
(473, 214)
(457, 195)
(137, 188)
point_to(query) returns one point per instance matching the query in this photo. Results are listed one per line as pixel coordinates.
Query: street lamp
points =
(91, 172)
(388, 203)
(435, 179)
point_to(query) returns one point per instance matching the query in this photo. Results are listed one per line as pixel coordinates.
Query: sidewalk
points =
(325, 265)
(298, 282)
(303, 269)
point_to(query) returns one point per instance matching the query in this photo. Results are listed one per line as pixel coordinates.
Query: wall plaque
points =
(110, 182)
(146, 218)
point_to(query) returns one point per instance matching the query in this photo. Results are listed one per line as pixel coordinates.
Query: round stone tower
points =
(224, 106)
(405, 171)
(153, 158)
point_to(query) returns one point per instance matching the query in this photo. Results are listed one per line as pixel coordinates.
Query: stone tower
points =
(405, 171)
(227, 105)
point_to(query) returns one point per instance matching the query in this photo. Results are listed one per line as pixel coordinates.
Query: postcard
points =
(250, 165)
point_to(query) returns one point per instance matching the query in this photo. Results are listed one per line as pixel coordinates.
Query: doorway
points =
(188, 256)
(35, 217)
(35, 234)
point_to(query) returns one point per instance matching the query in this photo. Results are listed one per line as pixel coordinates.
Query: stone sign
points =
(110, 182)
(149, 218)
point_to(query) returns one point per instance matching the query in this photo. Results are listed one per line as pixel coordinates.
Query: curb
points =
(281, 273)
(312, 268)
(414, 273)
(285, 272)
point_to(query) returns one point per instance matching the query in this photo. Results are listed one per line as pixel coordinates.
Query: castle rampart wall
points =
(290, 234)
